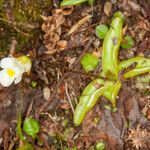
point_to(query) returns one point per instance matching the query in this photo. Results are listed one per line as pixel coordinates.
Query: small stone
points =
(46, 93)
(107, 8)
(113, 1)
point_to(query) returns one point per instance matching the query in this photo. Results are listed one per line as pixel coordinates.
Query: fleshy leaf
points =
(101, 31)
(127, 42)
(100, 146)
(71, 2)
(89, 62)
(31, 127)
(120, 14)
(142, 65)
(112, 92)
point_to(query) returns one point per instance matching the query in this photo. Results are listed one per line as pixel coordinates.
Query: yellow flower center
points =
(24, 59)
(10, 72)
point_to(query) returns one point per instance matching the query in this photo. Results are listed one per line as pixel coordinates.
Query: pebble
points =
(108, 8)
(46, 93)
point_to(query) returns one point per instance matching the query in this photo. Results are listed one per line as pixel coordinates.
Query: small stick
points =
(68, 96)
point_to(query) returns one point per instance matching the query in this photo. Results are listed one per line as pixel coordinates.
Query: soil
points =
(63, 37)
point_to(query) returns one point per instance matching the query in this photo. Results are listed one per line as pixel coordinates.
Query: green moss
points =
(19, 20)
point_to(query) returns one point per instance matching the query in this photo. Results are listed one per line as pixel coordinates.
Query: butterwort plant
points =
(13, 68)
(112, 68)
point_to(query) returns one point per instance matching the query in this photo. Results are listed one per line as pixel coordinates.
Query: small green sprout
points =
(127, 42)
(33, 84)
(89, 62)
(100, 146)
(101, 31)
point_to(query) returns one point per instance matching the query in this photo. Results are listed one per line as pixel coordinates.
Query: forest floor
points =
(51, 92)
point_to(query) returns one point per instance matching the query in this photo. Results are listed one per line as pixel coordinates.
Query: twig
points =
(12, 143)
(68, 96)
(79, 24)
(50, 116)
(29, 108)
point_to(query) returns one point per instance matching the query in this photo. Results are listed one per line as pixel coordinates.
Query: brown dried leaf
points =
(79, 24)
(52, 28)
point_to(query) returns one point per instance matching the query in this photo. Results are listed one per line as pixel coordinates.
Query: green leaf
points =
(120, 14)
(31, 127)
(91, 1)
(101, 31)
(27, 146)
(112, 92)
(141, 66)
(127, 42)
(89, 62)
(100, 146)
(71, 2)
(19, 132)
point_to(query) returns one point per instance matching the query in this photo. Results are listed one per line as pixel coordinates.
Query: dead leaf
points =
(79, 24)
(52, 28)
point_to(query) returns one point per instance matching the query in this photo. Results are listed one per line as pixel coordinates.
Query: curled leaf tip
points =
(71, 2)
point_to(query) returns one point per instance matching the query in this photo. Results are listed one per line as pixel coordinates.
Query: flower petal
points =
(27, 67)
(25, 61)
(19, 69)
(8, 62)
(5, 80)
(18, 79)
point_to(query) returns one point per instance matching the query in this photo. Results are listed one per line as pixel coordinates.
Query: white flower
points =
(12, 69)
(25, 62)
